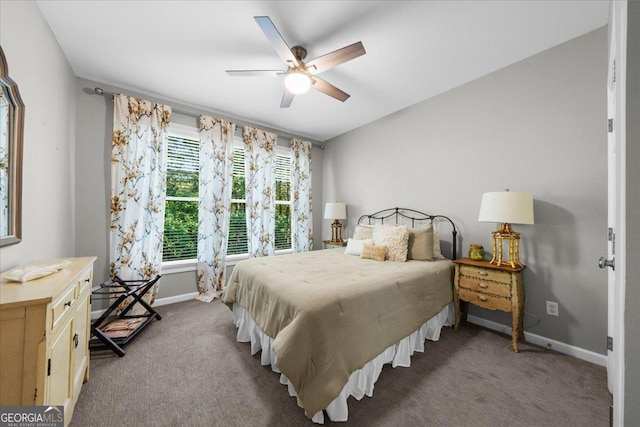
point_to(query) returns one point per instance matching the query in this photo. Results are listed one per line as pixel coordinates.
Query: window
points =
(181, 203)
(237, 242)
(283, 201)
(181, 208)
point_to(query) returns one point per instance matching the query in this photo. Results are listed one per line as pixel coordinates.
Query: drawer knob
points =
(482, 273)
(483, 298)
(67, 304)
(483, 285)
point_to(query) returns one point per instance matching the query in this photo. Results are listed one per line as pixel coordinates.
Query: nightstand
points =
(328, 244)
(489, 286)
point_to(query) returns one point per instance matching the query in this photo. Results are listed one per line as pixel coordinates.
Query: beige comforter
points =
(329, 313)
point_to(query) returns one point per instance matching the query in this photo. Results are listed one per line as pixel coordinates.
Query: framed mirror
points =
(11, 135)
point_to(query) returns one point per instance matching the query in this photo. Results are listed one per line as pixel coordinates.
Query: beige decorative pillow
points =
(421, 243)
(395, 238)
(370, 251)
(437, 251)
(363, 232)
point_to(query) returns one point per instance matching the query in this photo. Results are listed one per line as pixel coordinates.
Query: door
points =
(614, 262)
(80, 347)
(60, 389)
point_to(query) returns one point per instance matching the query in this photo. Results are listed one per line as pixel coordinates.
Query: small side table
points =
(488, 286)
(328, 244)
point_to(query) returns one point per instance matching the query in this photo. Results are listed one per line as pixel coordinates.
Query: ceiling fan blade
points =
(256, 73)
(287, 98)
(335, 58)
(328, 89)
(276, 40)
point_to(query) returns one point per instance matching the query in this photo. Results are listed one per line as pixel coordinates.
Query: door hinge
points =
(611, 236)
(35, 396)
(610, 343)
(49, 368)
(610, 122)
(613, 77)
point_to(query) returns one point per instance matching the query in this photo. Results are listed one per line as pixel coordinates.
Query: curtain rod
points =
(102, 92)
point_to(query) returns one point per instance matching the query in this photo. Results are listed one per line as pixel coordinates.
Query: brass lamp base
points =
(506, 233)
(336, 232)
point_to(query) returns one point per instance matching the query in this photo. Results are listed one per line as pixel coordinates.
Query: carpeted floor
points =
(188, 370)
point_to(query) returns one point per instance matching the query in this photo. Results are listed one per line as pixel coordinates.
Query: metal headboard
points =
(392, 216)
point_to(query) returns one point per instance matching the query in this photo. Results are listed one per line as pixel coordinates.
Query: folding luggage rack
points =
(115, 330)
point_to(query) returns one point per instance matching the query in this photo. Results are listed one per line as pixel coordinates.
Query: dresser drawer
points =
(62, 305)
(480, 285)
(485, 274)
(84, 283)
(485, 301)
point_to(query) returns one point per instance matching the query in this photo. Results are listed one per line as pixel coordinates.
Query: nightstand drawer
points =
(481, 285)
(485, 274)
(485, 301)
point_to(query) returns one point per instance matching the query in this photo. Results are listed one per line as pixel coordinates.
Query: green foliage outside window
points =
(181, 216)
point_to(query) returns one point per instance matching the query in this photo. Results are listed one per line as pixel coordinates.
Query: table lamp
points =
(506, 208)
(335, 211)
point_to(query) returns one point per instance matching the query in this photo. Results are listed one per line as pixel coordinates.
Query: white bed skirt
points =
(362, 380)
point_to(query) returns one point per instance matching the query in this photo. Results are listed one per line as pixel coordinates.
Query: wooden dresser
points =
(44, 337)
(489, 286)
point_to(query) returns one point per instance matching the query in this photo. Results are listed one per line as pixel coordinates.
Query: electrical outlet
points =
(552, 308)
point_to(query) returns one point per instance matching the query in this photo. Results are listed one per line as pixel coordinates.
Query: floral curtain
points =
(138, 188)
(216, 173)
(260, 150)
(301, 219)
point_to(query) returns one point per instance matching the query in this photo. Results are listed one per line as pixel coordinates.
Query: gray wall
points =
(46, 84)
(632, 298)
(93, 182)
(534, 126)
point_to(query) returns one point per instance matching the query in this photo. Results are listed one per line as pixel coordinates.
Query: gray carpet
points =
(188, 370)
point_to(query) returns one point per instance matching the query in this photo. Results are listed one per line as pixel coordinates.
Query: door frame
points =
(616, 285)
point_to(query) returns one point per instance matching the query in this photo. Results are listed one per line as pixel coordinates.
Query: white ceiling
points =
(179, 50)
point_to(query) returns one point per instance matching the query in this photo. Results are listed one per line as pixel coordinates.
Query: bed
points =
(329, 320)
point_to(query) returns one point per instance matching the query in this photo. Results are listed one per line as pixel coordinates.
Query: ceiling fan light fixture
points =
(297, 82)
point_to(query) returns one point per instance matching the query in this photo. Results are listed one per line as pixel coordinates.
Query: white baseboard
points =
(560, 347)
(159, 302)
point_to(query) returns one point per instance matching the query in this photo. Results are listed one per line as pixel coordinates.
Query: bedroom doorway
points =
(615, 260)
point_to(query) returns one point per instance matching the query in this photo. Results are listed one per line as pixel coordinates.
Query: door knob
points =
(604, 263)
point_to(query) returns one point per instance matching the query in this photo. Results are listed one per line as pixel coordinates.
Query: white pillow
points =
(354, 246)
(395, 238)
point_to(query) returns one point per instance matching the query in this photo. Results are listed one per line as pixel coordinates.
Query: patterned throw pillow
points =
(370, 251)
(421, 243)
(395, 238)
(363, 232)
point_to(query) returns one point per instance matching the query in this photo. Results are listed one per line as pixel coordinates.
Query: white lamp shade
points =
(335, 211)
(511, 207)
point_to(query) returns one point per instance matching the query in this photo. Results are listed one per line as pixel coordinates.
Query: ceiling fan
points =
(300, 75)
